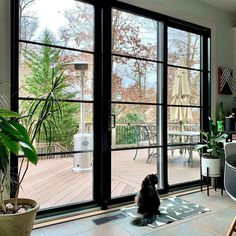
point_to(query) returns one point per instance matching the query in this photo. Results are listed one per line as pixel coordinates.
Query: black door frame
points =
(102, 95)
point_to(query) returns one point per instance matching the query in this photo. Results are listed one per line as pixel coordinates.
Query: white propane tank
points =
(83, 161)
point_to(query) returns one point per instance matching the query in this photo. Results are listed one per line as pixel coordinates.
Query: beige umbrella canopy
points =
(181, 95)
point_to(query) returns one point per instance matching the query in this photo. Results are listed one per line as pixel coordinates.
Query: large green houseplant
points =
(17, 136)
(13, 139)
(212, 149)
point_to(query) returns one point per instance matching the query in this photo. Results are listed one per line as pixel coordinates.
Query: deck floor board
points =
(53, 183)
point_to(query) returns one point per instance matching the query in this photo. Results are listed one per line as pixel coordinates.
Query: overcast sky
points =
(50, 13)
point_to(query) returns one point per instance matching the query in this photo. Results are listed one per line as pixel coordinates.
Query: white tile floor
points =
(215, 222)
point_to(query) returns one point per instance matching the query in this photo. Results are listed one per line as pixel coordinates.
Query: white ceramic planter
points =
(213, 165)
(19, 224)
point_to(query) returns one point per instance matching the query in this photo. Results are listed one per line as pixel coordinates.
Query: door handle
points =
(113, 122)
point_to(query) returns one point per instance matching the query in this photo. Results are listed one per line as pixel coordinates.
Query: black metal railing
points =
(125, 134)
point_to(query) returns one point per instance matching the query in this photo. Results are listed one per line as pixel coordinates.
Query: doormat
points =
(171, 209)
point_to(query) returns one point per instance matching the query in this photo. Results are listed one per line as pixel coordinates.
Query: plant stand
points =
(215, 180)
(232, 228)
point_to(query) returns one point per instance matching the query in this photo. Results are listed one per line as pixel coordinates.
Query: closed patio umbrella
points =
(181, 95)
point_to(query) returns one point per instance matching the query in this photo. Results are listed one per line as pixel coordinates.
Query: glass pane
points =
(182, 44)
(70, 23)
(209, 91)
(209, 54)
(53, 182)
(182, 168)
(76, 118)
(175, 123)
(136, 126)
(183, 87)
(134, 35)
(65, 178)
(40, 65)
(183, 160)
(128, 173)
(134, 80)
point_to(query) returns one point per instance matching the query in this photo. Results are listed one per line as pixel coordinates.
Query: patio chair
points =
(144, 137)
(230, 177)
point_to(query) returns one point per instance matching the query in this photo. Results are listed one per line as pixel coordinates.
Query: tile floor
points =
(215, 222)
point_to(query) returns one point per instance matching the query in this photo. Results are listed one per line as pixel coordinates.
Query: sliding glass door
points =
(184, 72)
(136, 102)
(56, 42)
(132, 98)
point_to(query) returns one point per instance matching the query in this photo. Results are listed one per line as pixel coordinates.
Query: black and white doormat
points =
(172, 209)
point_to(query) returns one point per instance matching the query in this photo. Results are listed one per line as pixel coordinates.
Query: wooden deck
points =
(53, 183)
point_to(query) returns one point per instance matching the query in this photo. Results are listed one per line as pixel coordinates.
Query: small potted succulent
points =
(212, 150)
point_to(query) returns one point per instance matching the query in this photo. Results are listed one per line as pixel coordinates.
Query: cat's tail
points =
(144, 220)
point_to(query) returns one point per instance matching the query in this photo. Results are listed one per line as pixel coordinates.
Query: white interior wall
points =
(5, 49)
(220, 22)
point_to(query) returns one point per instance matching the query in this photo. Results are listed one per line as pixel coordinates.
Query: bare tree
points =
(131, 36)
(28, 21)
(80, 28)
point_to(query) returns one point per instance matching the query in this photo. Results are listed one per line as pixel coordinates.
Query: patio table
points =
(188, 137)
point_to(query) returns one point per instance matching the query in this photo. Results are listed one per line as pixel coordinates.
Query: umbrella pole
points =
(181, 127)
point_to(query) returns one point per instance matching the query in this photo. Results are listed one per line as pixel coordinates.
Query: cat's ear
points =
(146, 181)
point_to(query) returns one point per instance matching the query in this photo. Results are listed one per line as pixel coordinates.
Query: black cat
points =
(148, 201)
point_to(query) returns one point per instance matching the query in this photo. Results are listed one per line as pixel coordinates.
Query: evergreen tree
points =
(44, 64)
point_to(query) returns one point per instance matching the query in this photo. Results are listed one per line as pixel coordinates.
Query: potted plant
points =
(211, 150)
(13, 139)
(17, 135)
